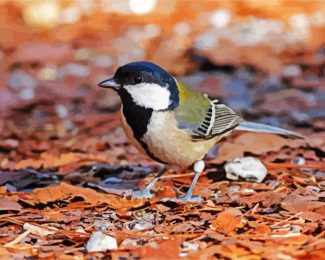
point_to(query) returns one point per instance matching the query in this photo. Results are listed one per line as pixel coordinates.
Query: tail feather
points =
(262, 128)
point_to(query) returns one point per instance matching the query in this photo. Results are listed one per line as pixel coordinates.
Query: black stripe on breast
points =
(138, 118)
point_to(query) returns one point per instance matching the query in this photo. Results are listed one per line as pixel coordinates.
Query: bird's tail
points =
(261, 128)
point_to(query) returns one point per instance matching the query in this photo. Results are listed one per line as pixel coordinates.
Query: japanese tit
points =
(171, 123)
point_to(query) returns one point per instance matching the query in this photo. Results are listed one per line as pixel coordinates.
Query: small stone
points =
(99, 242)
(103, 61)
(47, 73)
(299, 160)
(233, 189)
(44, 14)
(10, 143)
(27, 94)
(220, 18)
(62, 111)
(129, 243)
(103, 225)
(138, 224)
(247, 168)
(291, 71)
(19, 80)
(182, 29)
(248, 191)
(73, 69)
(190, 246)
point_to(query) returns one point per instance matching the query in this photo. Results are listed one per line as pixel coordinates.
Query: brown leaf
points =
(66, 191)
(298, 203)
(256, 144)
(6, 204)
(48, 160)
(254, 198)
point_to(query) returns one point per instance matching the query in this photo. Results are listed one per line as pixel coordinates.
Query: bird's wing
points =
(218, 120)
(201, 117)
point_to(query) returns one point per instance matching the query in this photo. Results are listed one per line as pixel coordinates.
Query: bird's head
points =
(146, 85)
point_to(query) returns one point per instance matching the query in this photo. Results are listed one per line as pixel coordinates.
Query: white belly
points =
(171, 144)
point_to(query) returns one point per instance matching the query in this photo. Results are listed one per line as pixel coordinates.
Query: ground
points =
(67, 169)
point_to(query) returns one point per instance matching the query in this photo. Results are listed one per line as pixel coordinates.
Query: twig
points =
(310, 165)
(288, 219)
(181, 175)
(281, 220)
(18, 239)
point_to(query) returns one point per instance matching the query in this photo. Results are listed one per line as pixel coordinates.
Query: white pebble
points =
(20, 79)
(61, 111)
(138, 225)
(47, 73)
(182, 29)
(191, 246)
(247, 168)
(73, 69)
(141, 7)
(103, 61)
(291, 71)
(220, 18)
(27, 94)
(99, 242)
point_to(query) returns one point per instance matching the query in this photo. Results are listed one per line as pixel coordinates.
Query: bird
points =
(173, 124)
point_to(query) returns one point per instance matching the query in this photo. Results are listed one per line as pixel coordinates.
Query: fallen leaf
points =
(6, 204)
(166, 249)
(296, 240)
(227, 222)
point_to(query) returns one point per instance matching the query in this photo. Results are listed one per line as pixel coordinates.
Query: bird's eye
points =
(137, 79)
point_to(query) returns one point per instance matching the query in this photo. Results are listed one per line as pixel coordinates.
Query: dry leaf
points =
(227, 222)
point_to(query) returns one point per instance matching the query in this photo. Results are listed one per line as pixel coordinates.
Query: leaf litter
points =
(67, 169)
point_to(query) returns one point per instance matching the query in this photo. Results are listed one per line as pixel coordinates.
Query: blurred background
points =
(265, 59)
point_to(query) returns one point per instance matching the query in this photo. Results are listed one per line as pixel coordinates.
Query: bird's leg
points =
(145, 193)
(198, 168)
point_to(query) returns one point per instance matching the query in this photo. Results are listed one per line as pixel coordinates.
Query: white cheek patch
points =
(149, 95)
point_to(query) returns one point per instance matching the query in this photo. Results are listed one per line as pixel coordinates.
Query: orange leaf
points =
(167, 249)
(262, 229)
(49, 160)
(66, 191)
(296, 240)
(227, 222)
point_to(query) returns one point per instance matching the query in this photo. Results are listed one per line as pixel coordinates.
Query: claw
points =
(146, 193)
(143, 194)
(198, 168)
(194, 199)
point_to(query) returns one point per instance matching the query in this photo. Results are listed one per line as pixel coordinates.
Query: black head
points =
(146, 83)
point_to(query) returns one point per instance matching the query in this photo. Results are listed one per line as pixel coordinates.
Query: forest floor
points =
(66, 167)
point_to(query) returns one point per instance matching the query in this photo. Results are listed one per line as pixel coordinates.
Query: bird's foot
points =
(193, 199)
(143, 194)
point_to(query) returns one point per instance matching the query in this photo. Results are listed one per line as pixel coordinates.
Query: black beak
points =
(109, 83)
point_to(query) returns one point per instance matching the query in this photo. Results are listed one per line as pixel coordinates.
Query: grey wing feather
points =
(218, 120)
(262, 128)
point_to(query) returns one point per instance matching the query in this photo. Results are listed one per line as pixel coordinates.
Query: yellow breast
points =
(171, 144)
(167, 142)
